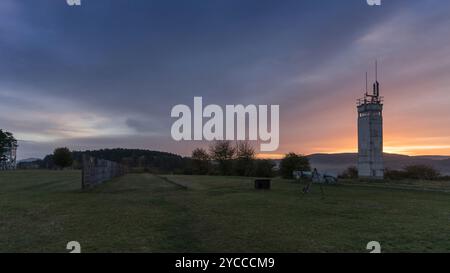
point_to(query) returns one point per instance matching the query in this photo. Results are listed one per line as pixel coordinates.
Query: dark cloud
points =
(128, 62)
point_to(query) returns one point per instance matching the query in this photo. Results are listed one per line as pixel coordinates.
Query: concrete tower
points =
(370, 133)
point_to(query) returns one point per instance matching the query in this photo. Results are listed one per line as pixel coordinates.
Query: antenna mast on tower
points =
(376, 85)
(367, 86)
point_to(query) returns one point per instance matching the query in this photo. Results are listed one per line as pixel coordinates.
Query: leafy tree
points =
(245, 157)
(62, 157)
(264, 168)
(293, 162)
(200, 161)
(7, 140)
(350, 173)
(222, 152)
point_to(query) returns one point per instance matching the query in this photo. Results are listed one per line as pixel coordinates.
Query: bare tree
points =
(200, 161)
(245, 157)
(223, 153)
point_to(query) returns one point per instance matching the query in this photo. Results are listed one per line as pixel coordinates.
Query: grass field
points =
(40, 211)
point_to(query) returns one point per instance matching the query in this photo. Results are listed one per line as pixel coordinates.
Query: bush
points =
(62, 157)
(444, 178)
(349, 173)
(422, 172)
(413, 172)
(293, 162)
(264, 168)
(395, 174)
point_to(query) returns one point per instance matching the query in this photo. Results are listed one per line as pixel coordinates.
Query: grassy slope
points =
(40, 211)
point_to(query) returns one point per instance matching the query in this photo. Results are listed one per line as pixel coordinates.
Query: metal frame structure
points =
(10, 154)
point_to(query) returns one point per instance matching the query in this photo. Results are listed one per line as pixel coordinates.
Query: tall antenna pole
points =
(367, 88)
(377, 84)
(376, 70)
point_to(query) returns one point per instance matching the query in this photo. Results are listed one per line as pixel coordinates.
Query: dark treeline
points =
(135, 159)
(222, 158)
(413, 172)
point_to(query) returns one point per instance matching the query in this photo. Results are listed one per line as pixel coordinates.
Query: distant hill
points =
(336, 163)
(434, 157)
(28, 160)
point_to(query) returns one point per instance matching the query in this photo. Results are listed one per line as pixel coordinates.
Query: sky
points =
(107, 74)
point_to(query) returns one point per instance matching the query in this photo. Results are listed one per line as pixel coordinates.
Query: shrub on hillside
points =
(413, 172)
(349, 173)
(422, 172)
(293, 162)
(395, 174)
